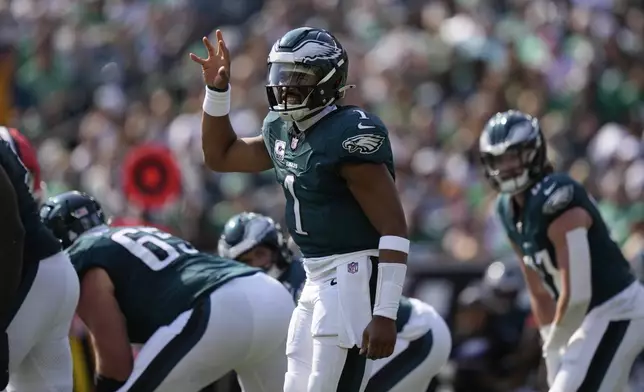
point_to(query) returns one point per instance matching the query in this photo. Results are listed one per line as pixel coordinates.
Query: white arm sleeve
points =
(580, 288)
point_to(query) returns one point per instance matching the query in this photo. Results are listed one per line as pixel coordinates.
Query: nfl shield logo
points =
(352, 267)
(294, 142)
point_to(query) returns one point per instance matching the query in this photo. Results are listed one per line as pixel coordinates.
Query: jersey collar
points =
(309, 122)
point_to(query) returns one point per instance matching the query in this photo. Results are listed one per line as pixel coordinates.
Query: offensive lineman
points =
(38, 290)
(342, 207)
(592, 329)
(198, 316)
(424, 340)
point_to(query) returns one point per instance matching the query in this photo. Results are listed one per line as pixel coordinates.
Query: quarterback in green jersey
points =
(198, 316)
(583, 294)
(335, 165)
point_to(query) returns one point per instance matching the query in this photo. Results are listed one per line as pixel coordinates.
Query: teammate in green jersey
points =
(342, 208)
(592, 329)
(198, 316)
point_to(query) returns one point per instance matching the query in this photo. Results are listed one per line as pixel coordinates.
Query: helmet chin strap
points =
(516, 184)
(307, 123)
(305, 118)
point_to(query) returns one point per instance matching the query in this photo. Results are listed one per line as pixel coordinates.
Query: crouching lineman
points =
(199, 316)
(424, 341)
(38, 289)
(592, 330)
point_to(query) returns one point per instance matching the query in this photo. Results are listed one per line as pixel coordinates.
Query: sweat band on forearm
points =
(216, 103)
(391, 278)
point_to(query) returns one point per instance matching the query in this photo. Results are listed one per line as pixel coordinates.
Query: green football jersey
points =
(156, 276)
(322, 215)
(545, 202)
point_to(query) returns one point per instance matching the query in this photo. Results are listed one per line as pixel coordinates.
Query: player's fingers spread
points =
(223, 49)
(220, 36)
(197, 59)
(209, 47)
(221, 52)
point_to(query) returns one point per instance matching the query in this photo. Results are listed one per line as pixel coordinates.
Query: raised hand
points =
(216, 68)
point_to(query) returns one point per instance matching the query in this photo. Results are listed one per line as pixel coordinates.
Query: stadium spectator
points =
(87, 81)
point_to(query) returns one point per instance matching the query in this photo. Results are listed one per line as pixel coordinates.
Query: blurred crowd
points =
(89, 80)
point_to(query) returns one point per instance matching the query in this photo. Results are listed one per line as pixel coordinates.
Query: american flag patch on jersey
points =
(352, 267)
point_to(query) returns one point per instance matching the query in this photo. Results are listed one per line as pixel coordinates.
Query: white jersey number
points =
(289, 183)
(143, 242)
(542, 263)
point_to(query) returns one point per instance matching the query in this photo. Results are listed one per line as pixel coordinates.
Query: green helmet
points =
(513, 151)
(245, 231)
(307, 71)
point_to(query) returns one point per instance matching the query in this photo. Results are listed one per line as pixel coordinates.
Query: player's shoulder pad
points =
(555, 193)
(94, 242)
(80, 254)
(362, 133)
(271, 117)
(95, 249)
(270, 121)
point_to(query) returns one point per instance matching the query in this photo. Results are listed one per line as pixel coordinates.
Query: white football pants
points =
(40, 358)
(326, 329)
(601, 352)
(241, 326)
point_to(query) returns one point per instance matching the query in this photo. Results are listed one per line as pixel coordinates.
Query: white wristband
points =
(391, 278)
(215, 103)
(392, 242)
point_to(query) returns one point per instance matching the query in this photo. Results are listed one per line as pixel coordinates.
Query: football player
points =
(198, 316)
(38, 290)
(342, 208)
(592, 328)
(424, 340)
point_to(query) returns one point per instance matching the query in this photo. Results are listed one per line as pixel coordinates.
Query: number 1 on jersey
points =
(289, 183)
